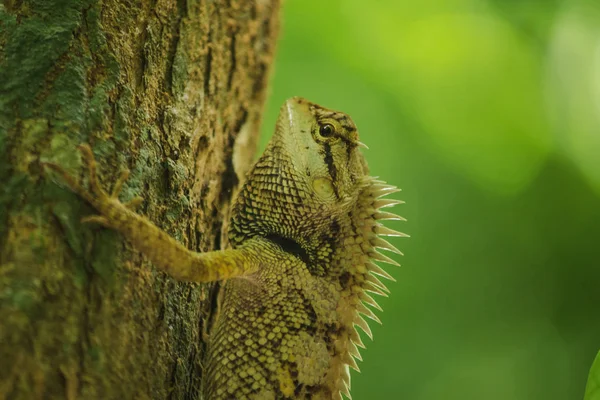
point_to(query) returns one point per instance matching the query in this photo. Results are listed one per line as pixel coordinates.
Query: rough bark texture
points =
(171, 89)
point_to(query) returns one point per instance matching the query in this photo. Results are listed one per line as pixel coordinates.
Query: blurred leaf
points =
(474, 88)
(574, 87)
(467, 76)
(592, 390)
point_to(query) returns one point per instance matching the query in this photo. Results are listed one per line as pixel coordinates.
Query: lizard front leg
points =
(164, 251)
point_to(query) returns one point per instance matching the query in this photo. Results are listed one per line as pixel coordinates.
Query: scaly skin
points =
(304, 234)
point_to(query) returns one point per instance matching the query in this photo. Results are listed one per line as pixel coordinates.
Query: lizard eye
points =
(326, 130)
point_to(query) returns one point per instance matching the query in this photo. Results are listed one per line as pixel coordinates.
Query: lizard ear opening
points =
(323, 187)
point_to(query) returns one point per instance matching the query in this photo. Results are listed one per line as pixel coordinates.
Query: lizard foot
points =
(95, 195)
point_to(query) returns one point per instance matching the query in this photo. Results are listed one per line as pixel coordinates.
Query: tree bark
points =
(172, 90)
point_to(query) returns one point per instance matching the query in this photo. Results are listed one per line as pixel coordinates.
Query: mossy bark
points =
(172, 90)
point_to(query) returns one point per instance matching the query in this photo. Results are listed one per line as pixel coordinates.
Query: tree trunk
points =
(172, 90)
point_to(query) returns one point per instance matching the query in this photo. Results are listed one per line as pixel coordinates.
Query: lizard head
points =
(311, 190)
(322, 146)
(311, 171)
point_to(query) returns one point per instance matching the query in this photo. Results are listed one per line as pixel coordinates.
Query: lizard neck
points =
(280, 204)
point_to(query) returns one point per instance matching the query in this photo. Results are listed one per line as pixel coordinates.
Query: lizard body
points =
(304, 234)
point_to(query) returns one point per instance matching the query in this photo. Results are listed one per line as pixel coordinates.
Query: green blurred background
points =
(487, 114)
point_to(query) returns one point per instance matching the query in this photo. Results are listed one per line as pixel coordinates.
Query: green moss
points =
(62, 151)
(97, 40)
(66, 104)
(14, 184)
(178, 174)
(107, 76)
(96, 355)
(176, 210)
(33, 48)
(33, 131)
(40, 75)
(7, 180)
(146, 166)
(24, 299)
(68, 218)
(180, 72)
(123, 117)
(104, 257)
(104, 150)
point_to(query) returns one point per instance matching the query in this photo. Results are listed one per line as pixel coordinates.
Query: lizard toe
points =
(134, 203)
(90, 160)
(119, 183)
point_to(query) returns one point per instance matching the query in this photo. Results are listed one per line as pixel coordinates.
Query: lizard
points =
(304, 236)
